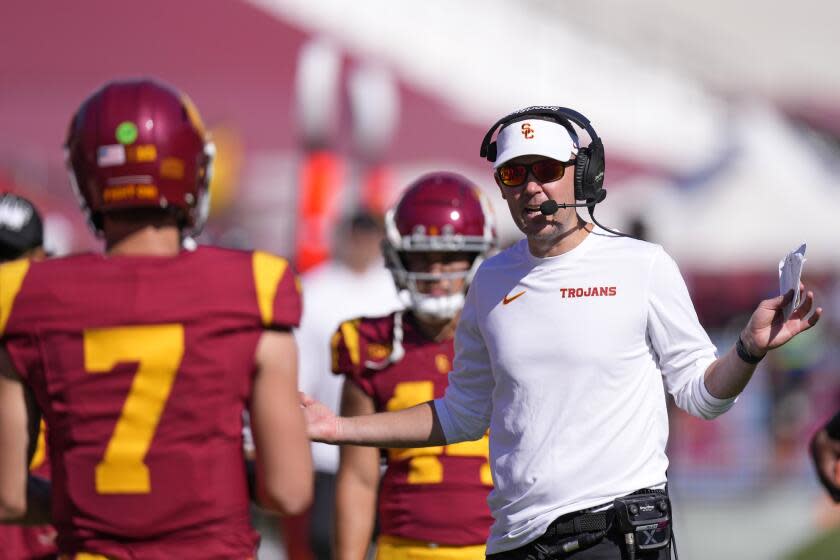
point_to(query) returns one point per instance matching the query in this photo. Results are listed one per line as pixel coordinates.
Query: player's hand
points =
(825, 453)
(321, 423)
(768, 329)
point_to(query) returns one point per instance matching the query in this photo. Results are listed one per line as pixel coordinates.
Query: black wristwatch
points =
(745, 355)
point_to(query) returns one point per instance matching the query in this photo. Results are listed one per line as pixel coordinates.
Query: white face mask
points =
(433, 307)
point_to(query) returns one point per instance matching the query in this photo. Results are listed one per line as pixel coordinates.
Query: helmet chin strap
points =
(397, 350)
(433, 307)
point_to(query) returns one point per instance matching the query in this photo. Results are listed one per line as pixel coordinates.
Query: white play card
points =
(790, 270)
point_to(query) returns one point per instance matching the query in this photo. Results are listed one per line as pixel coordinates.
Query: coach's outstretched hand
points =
(768, 329)
(321, 423)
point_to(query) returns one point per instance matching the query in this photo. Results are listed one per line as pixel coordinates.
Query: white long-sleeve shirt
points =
(568, 376)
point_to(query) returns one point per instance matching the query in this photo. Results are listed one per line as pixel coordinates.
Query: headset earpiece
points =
(593, 176)
(589, 172)
(581, 168)
(491, 151)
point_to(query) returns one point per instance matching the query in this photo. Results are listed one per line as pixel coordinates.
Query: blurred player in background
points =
(825, 452)
(22, 237)
(21, 229)
(354, 281)
(143, 359)
(432, 501)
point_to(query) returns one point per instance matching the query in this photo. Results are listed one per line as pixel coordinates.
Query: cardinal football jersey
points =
(432, 494)
(142, 367)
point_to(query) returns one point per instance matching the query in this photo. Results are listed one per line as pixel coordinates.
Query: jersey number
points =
(158, 350)
(424, 465)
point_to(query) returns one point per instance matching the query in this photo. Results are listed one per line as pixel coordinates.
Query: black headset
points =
(589, 164)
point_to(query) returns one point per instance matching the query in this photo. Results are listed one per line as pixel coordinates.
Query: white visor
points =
(534, 137)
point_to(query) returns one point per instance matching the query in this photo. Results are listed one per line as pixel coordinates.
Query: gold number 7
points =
(158, 349)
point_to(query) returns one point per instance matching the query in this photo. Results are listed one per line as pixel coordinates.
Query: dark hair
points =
(364, 221)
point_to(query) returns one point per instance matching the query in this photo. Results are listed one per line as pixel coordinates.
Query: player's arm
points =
(283, 457)
(767, 329)
(14, 441)
(21, 500)
(357, 484)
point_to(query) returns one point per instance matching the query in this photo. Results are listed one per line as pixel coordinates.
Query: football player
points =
(432, 501)
(22, 237)
(143, 359)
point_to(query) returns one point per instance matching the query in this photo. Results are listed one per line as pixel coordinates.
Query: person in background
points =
(353, 282)
(825, 453)
(21, 229)
(22, 237)
(436, 238)
(143, 359)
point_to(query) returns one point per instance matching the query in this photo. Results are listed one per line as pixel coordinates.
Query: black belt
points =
(586, 521)
(577, 522)
(582, 525)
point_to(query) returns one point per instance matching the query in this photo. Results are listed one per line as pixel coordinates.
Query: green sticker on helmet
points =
(126, 132)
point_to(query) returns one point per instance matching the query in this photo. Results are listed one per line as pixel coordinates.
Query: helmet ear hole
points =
(401, 255)
(96, 221)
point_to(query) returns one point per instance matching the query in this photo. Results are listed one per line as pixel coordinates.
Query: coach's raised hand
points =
(767, 328)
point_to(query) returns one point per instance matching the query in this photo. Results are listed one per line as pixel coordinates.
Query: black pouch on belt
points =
(644, 519)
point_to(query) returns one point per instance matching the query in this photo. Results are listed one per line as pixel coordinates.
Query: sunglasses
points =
(544, 170)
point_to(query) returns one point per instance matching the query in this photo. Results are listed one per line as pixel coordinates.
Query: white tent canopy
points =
(766, 188)
(771, 48)
(775, 194)
(486, 58)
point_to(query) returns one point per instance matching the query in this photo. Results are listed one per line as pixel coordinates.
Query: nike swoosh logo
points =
(507, 299)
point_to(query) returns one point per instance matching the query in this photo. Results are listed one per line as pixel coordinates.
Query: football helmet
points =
(21, 227)
(140, 144)
(439, 212)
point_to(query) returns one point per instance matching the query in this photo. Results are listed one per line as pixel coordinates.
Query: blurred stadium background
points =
(721, 123)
